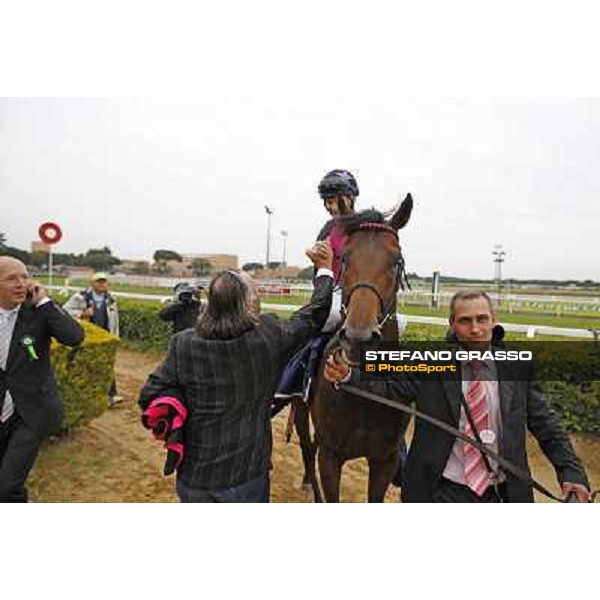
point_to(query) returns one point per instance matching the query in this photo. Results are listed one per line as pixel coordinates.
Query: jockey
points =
(338, 190)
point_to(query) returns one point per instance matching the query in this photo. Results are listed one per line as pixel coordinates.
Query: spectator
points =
(98, 306)
(225, 373)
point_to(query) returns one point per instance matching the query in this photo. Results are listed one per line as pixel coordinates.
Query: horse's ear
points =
(402, 215)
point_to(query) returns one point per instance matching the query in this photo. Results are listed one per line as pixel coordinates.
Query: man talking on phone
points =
(30, 407)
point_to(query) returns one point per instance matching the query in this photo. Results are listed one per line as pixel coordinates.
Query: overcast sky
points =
(193, 176)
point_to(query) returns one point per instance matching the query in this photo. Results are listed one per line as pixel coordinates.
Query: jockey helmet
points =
(338, 182)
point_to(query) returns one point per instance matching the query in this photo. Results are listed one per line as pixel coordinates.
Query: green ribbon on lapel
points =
(28, 344)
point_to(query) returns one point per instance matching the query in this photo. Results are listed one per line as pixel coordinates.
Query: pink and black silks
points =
(166, 417)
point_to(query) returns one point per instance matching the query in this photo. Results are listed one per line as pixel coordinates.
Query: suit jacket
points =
(31, 382)
(523, 407)
(227, 387)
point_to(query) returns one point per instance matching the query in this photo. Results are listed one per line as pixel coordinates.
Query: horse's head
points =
(373, 268)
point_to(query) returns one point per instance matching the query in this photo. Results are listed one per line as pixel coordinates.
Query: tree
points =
(200, 267)
(306, 274)
(21, 255)
(164, 255)
(252, 266)
(39, 259)
(2, 239)
(141, 268)
(274, 265)
(99, 259)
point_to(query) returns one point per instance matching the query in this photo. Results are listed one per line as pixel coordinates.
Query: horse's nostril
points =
(376, 335)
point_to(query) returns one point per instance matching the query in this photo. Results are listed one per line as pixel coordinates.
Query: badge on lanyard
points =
(487, 436)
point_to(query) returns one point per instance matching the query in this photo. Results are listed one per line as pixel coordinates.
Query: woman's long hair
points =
(226, 316)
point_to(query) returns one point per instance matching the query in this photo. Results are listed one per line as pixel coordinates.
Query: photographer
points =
(183, 311)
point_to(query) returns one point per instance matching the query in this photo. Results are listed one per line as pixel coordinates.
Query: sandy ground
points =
(114, 459)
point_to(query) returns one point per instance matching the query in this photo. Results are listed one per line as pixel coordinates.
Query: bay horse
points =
(347, 427)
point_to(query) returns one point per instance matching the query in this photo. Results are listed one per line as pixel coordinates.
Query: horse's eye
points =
(345, 258)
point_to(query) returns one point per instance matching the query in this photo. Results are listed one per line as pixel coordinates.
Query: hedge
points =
(84, 374)
(139, 323)
(576, 400)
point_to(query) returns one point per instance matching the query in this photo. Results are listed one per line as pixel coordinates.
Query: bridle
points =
(387, 309)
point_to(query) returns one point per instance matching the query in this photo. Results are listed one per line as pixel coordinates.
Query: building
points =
(191, 265)
(134, 267)
(38, 246)
(219, 262)
(216, 262)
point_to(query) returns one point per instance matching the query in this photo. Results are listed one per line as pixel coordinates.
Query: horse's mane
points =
(352, 223)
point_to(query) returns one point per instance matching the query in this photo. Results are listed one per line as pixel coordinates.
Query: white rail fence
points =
(530, 330)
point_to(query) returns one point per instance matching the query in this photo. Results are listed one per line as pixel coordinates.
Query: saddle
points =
(299, 373)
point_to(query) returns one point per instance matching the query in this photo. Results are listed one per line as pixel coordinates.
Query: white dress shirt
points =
(8, 318)
(455, 467)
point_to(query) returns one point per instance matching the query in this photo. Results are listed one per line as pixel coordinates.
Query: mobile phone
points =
(28, 298)
(31, 294)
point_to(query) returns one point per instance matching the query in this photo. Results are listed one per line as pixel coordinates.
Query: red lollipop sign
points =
(50, 233)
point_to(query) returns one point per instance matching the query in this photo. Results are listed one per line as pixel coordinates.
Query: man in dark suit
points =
(440, 468)
(30, 407)
(225, 372)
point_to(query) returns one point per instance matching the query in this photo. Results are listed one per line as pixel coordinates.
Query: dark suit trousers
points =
(19, 447)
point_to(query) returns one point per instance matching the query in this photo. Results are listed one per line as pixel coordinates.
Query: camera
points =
(185, 293)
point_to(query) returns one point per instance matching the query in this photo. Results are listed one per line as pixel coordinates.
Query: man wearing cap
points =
(98, 306)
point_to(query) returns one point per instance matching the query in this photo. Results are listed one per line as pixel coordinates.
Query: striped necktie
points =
(477, 476)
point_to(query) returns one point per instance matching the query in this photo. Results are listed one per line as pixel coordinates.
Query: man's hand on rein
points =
(336, 368)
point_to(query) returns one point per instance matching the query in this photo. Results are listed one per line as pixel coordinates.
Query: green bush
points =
(84, 375)
(571, 380)
(577, 404)
(139, 323)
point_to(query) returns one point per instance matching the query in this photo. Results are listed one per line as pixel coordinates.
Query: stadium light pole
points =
(269, 212)
(284, 235)
(499, 255)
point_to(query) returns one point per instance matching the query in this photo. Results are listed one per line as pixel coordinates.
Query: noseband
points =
(386, 309)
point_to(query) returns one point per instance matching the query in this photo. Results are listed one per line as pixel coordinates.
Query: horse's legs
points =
(302, 424)
(330, 469)
(381, 472)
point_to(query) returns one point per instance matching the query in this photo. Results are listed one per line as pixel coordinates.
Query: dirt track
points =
(114, 459)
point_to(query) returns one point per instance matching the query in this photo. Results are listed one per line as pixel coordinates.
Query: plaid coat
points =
(227, 386)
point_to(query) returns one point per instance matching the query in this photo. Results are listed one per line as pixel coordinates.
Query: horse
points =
(347, 427)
